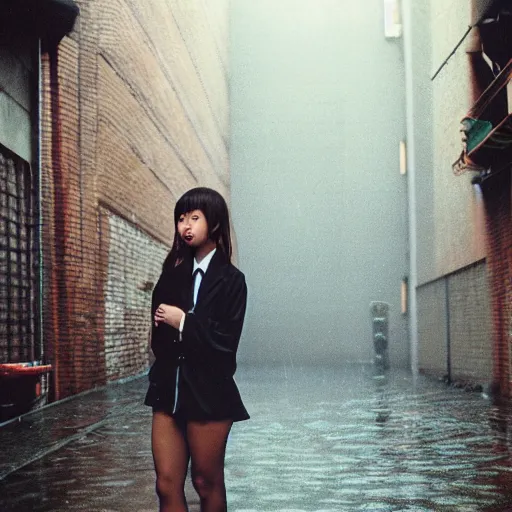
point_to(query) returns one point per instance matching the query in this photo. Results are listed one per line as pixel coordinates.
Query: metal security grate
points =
(19, 261)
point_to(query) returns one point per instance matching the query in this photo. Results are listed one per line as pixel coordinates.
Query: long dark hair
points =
(215, 210)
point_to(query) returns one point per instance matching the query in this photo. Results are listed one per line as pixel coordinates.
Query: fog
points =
(318, 202)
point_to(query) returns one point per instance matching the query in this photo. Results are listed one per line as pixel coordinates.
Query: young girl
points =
(198, 310)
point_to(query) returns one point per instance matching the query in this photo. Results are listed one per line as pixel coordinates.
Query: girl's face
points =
(193, 228)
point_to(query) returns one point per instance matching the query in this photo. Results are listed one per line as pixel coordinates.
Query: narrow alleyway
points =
(320, 439)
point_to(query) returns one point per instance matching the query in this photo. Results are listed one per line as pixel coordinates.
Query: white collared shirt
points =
(205, 262)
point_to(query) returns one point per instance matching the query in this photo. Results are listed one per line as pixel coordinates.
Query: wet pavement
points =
(320, 439)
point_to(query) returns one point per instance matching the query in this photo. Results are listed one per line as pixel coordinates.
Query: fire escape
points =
(487, 127)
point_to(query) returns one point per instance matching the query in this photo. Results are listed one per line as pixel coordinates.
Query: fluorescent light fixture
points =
(392, 19)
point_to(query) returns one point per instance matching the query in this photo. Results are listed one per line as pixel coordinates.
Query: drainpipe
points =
(40, 197)
(60, 302)
(448, 332)
(411, 183)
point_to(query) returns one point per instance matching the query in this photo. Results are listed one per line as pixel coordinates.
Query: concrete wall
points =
(135, 113)
(422, 104)
(450, 237)
(17, 83)
(451, 230)
(450, 212)
(432, 329)
(457, 209)
(317, 116)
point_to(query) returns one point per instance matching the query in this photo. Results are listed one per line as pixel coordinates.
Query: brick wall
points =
(497, 192)
(134, 261)
(471, 347)
(135, 113)
(455, 328)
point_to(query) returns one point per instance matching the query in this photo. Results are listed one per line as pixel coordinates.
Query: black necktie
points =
(194, 275)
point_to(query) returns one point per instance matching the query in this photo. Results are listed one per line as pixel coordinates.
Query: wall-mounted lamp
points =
(403, 158)
(404, 292)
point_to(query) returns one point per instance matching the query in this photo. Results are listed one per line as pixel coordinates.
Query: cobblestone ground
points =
(320, 439)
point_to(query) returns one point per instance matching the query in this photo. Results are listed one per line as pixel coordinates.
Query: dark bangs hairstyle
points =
(215, 210)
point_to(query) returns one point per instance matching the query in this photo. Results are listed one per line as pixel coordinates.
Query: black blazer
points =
(206, 356)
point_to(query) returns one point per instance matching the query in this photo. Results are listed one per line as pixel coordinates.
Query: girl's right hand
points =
(170, 315)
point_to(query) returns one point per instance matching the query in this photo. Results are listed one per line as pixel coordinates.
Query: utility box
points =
(23, 387)
(380, 331)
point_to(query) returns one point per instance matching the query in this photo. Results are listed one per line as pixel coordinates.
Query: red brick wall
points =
(497, 191)
(135, 112)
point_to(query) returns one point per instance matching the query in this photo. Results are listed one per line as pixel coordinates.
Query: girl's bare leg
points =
(170, 455)
(207, 443)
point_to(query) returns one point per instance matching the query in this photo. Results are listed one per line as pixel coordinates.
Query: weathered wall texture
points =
(470, 324)
(17, 82)
(456, 210)
(499, 228)
(455, 327)
(422, 105)
(135, 113)
(132, 270)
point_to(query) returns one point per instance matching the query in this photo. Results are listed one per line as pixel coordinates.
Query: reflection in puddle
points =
(320, 439)
(356, 439)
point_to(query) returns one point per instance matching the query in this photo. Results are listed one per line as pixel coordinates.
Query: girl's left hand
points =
(170, 315)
